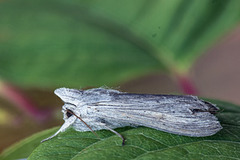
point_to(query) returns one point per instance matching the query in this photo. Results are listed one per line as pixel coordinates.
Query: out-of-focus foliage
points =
(79, 43)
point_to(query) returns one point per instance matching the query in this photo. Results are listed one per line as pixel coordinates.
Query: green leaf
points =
(25, 147)
(141, 143)
(90, 43)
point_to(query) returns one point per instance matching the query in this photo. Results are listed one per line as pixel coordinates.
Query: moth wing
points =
(183, 115)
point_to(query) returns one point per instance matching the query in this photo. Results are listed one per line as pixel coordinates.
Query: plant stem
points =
(186, 84)
(17, 97)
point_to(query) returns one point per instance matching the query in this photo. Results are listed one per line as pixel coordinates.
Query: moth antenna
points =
(69, 111)
(221, 110)
(118, 134)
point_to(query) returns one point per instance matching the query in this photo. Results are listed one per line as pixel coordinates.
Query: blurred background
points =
(144, 46)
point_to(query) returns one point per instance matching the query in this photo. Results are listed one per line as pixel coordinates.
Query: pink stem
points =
(16, 96)
(186, 85)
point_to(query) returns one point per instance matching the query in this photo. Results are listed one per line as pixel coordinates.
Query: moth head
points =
(67, 95)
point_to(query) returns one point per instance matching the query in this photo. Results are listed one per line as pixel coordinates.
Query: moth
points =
(101, 108)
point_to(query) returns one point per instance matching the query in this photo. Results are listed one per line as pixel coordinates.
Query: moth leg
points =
(118, 134)
(52, 136)
(62, 129)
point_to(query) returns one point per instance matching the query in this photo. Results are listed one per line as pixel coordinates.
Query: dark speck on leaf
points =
(154, 35)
